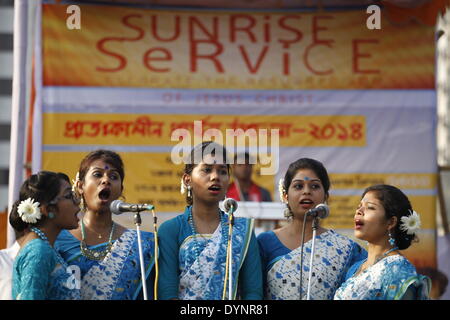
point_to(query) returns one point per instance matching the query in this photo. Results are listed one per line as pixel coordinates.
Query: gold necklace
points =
(99, 235)
(95, 254)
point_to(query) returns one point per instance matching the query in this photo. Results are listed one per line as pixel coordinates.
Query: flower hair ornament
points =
(281, 190)
(410, 224)
(29, 211)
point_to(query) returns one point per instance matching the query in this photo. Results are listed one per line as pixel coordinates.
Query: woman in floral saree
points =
(106, 253)
(385, 220)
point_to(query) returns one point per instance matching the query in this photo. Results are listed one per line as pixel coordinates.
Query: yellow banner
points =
(129, 47)
(157, 130)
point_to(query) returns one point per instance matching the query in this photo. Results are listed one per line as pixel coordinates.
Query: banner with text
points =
(293, 84)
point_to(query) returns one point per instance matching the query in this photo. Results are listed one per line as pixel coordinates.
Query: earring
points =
(189, 193)
(288, 213)
(391, 240)
(82, 205)
(51, 215)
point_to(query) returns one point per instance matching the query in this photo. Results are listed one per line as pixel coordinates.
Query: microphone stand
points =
(138, 222)
(229, 258)
(315, 225)
(300, 288)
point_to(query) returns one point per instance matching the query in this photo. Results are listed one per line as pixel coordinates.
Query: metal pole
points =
(314, 227)
(138, 221)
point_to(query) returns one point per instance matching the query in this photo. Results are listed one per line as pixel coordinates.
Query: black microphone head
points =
(324, 210)
(115, 206)
(228, 203)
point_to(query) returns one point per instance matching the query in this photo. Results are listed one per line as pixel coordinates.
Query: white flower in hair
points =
(410, 224)
(74, 182)
(29, 211)
(182, 187)
(281, 190)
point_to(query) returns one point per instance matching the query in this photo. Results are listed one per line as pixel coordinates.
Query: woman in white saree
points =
(305, 185)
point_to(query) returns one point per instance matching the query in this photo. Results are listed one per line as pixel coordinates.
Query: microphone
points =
(320, 211)
(230, 203)
(119, 207)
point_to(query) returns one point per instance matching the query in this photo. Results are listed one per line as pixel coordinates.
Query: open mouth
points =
(104, 194)
(215, 189)
(358, 224)
(306, 204)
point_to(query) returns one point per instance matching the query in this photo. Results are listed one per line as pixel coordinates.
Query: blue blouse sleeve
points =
(168, 281)
(352, 270)
(250, 276)
(263, 238)
(33, 268)
(358, 254)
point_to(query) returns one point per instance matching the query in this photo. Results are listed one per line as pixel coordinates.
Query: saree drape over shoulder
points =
(118, 275)
(333, 256)
(38, 275)
(193, 266)
(392, 278)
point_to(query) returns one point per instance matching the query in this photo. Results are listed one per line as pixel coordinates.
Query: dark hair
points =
(42, 187)
(18, 234)
(395, 204)
(107, 156)
(199, 152)
(311, 164)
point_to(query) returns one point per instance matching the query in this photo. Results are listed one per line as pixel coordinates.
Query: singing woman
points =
(106, 252)
(45, 207)
(386, 220)
(193, 245)
(285, 262)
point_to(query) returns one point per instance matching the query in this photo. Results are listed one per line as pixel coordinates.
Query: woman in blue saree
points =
(46, 206)
(193, 245)
(305, 185)
(386, 220)
(106, 253)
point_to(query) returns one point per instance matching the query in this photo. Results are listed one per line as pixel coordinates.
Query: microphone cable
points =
(155, 232)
